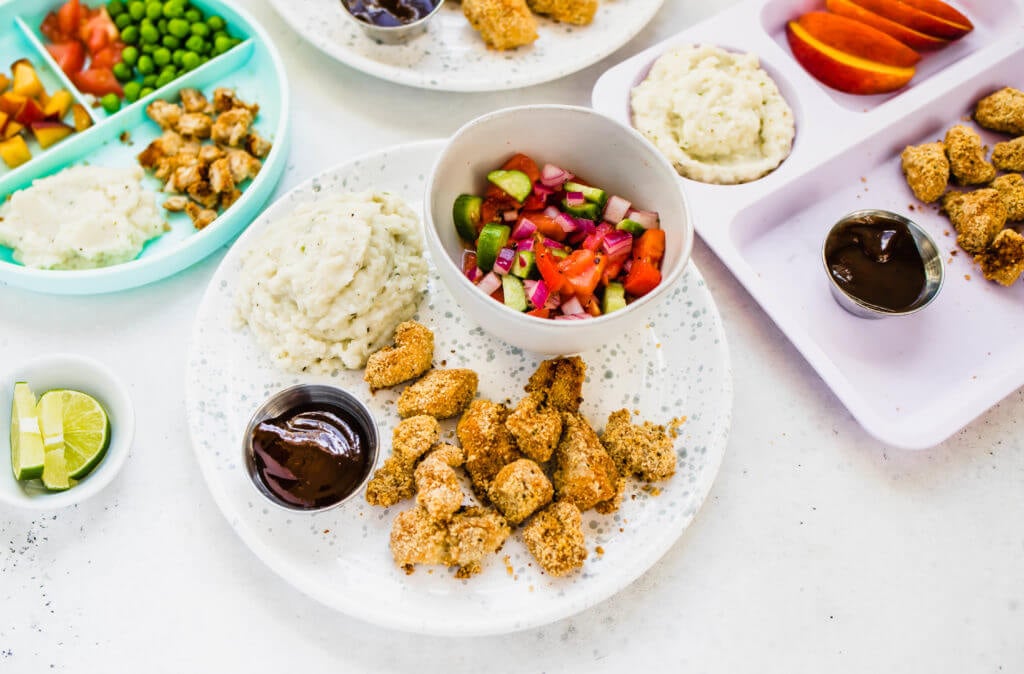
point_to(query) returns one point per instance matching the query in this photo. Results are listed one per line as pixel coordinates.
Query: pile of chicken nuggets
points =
(507, 24)
(536, 466)
(980, 216)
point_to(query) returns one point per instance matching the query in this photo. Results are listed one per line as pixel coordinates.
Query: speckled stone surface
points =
(676, 366)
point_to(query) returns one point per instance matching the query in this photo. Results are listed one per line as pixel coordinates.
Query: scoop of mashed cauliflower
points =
(716, 115)
(324, 287)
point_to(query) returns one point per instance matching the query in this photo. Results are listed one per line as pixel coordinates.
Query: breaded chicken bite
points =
(555, 539)
(643, 450)
(451, 455)
(441, 394)
(1003, 262)
(536, 427)
(584, 473)
(417, 538)
(927, 170)
(473, 534)
(393, 481)
(503, 24)
(578, 12)
(1002, 111)
(437, 487)
(966, 156)
(1009, 155)
(407, 359)
(486, 441)
(1011, 189)
(520, 489)
(977, 216)
(561, 379)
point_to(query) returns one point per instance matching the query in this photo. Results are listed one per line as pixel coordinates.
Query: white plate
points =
(676, 365)
(451, 56)
(911, 381)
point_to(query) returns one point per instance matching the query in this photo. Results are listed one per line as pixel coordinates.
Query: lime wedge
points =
(26, 440)
(55, 471)
(86, 431)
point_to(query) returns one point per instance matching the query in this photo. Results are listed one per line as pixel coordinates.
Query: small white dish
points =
(67, 371)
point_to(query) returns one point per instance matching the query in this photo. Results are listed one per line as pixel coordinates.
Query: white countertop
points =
(818, 549)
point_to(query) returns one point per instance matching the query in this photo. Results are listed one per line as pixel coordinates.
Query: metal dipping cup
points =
(393, 34)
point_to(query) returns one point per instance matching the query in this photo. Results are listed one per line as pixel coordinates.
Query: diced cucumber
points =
(516, 184)
(515, 294)
(524, 264)
(631, 226)
(614, 298)
(466, 214)
(588, 210)
(490, 242)
(560, 253)
(594, 195)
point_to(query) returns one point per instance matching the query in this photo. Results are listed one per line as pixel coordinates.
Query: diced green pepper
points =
(631, 226)
(592, 194)
(491, 240)
(516, 184)
(588, 210)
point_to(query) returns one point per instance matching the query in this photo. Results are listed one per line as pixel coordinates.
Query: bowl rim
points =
(667, 281)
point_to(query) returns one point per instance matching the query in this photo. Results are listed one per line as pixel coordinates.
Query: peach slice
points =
(58, 105)
(81, 117)
(26, 80)
(12, 129)
(47, 133)
(858, 39)
(911, 38)
(12, 103)
(14, 151)
(914, 19)
(30, 113)
(943, 11)
(842, 71)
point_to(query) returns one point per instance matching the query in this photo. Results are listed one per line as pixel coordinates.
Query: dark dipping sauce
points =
(312, 456)
(390, 13)
(875, 259)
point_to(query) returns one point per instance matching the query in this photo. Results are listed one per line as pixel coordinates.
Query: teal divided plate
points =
(253, 69)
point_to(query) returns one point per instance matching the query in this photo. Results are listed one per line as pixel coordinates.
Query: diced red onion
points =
(489, 283)
(573, 317)
(552, 212)
(551, 243)
(585, 225)
(539, 294)
(615, 210)
(524, 229)
(572, 306)
(528, 285)
(553, 176)
(542, 191)
(474, 274)
(647, 219)
(503, 263)
(617, 241)
(510, 216)
(566, 222)
(524, 245)
(554, 301)
(575, 199)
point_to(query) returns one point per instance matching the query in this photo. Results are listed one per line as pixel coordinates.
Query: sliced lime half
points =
(26, 439)
(86, 431)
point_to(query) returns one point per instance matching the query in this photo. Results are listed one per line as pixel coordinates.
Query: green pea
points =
(130, 35)
(179, 28)
(111, 103)
(115, 7)
(165, 79)
(131, 91)
(149, 80)
(174, 9)
(149, 49)
(170, 42)
(137, 9)
(146, 91)
(122, 20)
(193, 15)
(162, 56)
(216, 23)
(190, 61)
(177, 58)
(149, 34)
(194, 43)
(200, 29)
(221, 45)
(122, 71)
(130, 55)
(145, 65)
(154, 11)
(161, 26)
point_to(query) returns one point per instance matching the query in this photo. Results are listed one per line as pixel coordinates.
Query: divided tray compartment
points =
(252, 68)
(910, 381)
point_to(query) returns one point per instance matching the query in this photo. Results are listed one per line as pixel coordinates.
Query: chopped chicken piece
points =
(536, 427)
(193, 100)
(408, 358)
(578, 12)
(393, 481)
(1003, 262)
(229, 198)
(555, 539)
(166, 115)
(176, 203)
(927, 170)
(201, 217)
(1011, 189)
(202, 193)
(520, 489)
(243, 165)
(167, 145)
(191, 147)
(977, 216)
(416, 538)
(220, 176)
(473, 534)
(224, 99)
(584, 474)
(488, 445)
(210, 153)
(644, 450)
(1009, 155)
(437, 487)
(1002, 111)
(967, 156)
(184, 177)
(257, 145)
(231, 127)
(503, 24)
(441, 394)
(195, 125)
(562, 380)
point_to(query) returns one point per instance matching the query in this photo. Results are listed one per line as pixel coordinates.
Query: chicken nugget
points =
(417, 538)
(643, 450)
(407, 359)
(1009, 155)
(520, 489)
(474, 533)
(977, 216)
(488, 444)
(503, 24)
(561, 379)
(967, 156)
(584, 473)
(927, 170)
(393, 481)
(1003, 262)
(437, 487)
(1011, 189)
(441, 394)
(1002, 111)
(578, 12)
(536, 427)
(451, 455)
(555, 539)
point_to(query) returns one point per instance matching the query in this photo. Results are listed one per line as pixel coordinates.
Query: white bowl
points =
(606, 153)
(66, 371)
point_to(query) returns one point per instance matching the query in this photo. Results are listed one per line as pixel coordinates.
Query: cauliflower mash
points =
(324, 287)
(716, 115)
(81, 218)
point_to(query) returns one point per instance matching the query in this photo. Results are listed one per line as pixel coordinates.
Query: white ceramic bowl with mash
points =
(604, 152)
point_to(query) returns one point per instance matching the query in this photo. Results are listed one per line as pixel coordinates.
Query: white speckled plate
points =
(451, 56)
(678, 365)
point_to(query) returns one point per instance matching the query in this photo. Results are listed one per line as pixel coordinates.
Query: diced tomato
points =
(547, 265)
(614, 267)
(69, 16)
(521, 162)
(545, 225)
(543, 312)
(468, 262)
(98, 82)
(643, 277)
(650, 245)
(582, 271)
(98, 30)
(499, 295)
(493, 206)
(534, 202)
(108, 56)
(70, 56)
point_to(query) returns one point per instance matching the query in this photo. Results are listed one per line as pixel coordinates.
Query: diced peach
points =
(81, 116)
(843, 71)
(911, 38)
(4, 117)
(12, 129)
(26, 80)
(47, 133)
(12, 103)
(858, 39)
(14, 151)
(30, 113)
(58, 105)
(5, 82)
(914, 19)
